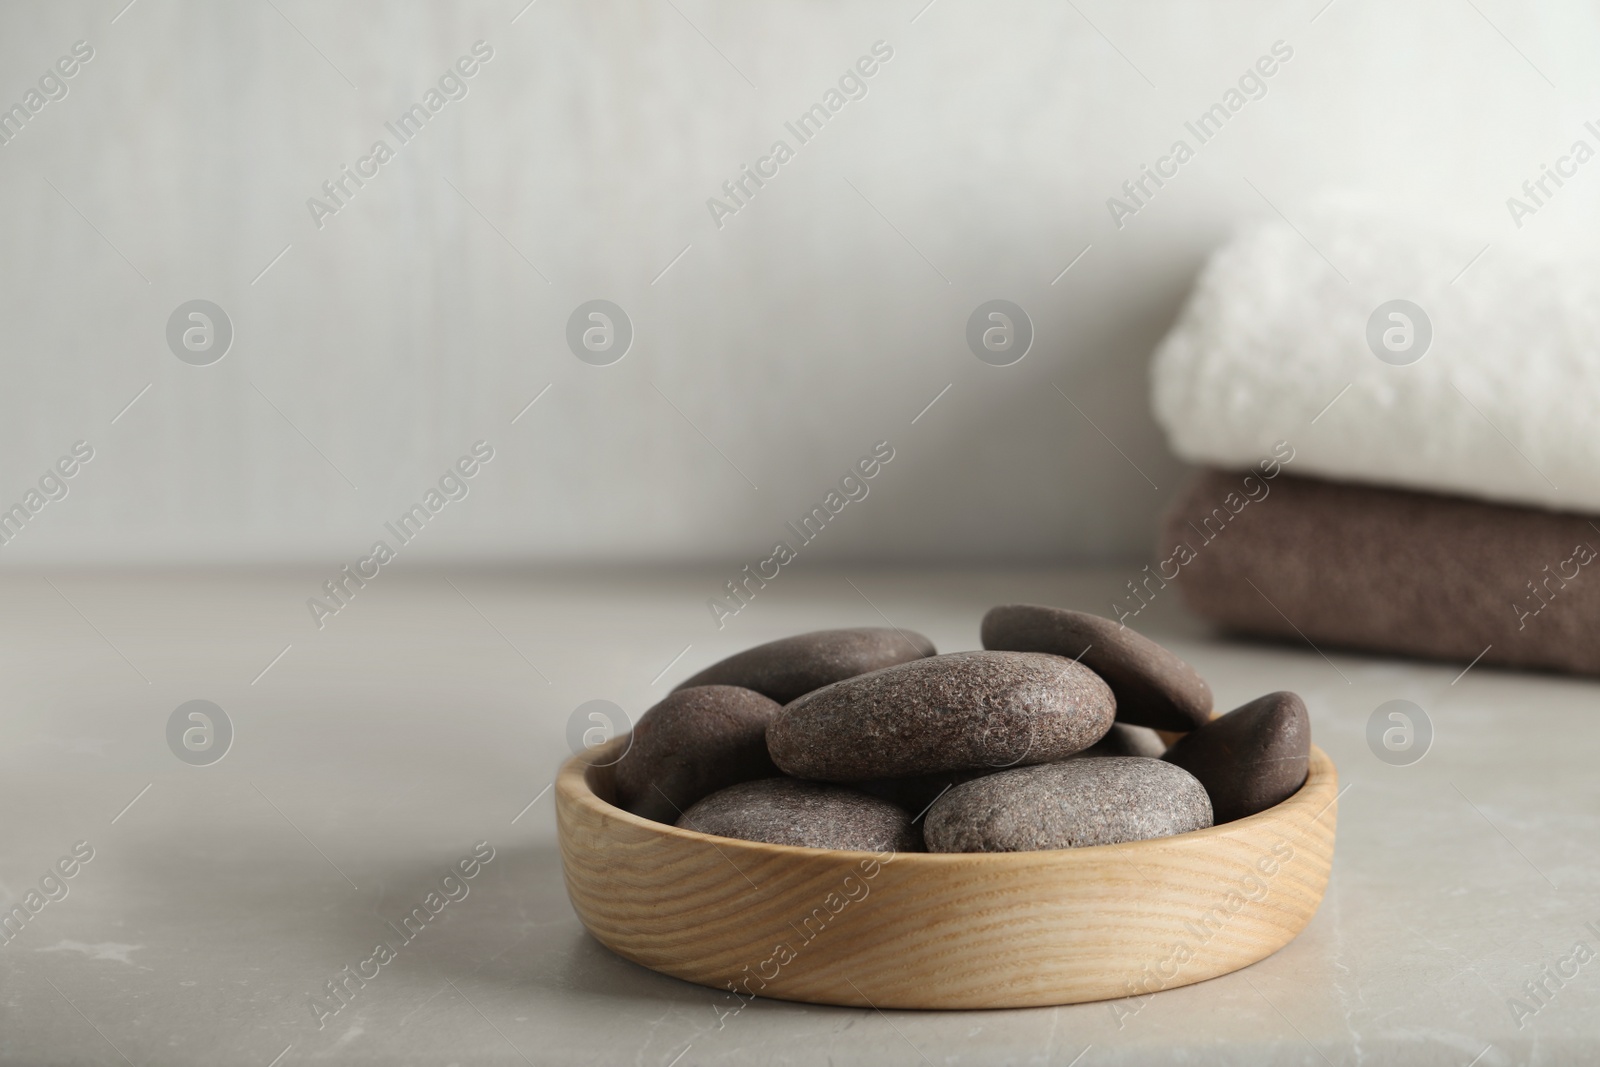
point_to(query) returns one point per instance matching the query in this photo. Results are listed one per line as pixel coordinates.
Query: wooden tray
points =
(966, 930)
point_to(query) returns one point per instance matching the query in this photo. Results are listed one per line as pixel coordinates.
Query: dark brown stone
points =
(1073, 804)
(788, 811)
(1255, 756)
(793, 666)
(1153, 687)
(963, 711)
(694, 742)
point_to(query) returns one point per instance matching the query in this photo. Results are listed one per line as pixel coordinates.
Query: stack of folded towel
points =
(1447, 507)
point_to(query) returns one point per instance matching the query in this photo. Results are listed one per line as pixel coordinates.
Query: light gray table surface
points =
(429, 713)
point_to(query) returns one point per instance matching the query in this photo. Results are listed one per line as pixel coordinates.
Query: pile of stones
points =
(1067, 730)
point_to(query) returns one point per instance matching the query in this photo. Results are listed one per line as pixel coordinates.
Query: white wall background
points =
(820, 319)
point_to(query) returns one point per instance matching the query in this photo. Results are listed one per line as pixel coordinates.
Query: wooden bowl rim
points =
(572, 786)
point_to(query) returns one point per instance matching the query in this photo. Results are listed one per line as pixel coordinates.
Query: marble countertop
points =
(209, 904)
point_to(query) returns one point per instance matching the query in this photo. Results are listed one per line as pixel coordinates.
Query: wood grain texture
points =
(943, 931)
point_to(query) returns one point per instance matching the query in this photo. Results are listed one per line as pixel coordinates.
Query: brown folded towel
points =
(1384, 570)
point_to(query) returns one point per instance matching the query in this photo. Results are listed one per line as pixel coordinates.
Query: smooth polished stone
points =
(694, 742)
(1153, 686)
(788, 811)
(1081, 802)
(966, 710)
(792, 666)
(1253, 757)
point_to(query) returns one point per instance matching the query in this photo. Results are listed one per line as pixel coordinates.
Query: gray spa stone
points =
(792, 666)
(692, 743)
(1154, 687)
(1255, 756)
(963, 711)
(787, 811)
(1080, 802)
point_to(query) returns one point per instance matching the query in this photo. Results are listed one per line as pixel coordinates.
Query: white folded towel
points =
(1504, 405)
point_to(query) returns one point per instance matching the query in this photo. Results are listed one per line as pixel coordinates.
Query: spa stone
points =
(1105, 801)
(1153, 687)
(787, 811)
(963, 711)
(792, 666)
(1255, 756)
(692, 743)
